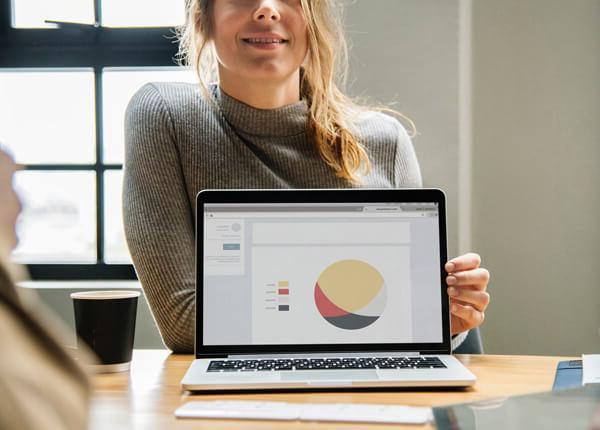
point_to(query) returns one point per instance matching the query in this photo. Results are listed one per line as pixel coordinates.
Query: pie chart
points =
(350, 294)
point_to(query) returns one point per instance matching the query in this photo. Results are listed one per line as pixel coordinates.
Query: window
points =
(67, 71)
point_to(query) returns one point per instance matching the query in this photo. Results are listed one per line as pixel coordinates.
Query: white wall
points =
(536, 175)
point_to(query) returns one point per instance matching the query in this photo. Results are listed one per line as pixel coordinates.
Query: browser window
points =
(326, 273)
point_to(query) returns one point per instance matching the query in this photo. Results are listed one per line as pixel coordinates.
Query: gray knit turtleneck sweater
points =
(177, 144)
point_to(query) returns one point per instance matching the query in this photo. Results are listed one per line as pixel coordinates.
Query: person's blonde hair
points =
(332, 113)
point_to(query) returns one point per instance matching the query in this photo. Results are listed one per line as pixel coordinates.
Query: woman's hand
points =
(467, 284)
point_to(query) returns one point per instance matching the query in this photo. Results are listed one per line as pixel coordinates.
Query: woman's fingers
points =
(463, 262)
(476, 298)
(469, 316)
(478, 276)
(468, 298)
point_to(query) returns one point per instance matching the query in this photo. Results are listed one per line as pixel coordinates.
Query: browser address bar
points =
(286, 215)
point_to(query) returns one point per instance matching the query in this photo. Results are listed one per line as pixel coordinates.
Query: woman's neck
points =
(261, 93)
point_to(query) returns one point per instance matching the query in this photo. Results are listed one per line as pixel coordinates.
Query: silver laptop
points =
(322, 289)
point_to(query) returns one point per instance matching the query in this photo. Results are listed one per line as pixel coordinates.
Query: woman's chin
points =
(270, 72)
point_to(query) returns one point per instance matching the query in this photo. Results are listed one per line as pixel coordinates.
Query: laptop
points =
(322, 289)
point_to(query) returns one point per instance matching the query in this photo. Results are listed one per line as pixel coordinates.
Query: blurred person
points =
(41, 386)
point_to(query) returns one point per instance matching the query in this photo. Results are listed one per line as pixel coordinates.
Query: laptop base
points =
(453, 375)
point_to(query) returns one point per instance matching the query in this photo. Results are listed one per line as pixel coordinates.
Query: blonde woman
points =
(276, 118)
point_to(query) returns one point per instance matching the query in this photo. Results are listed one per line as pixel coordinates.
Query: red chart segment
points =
(325, 306)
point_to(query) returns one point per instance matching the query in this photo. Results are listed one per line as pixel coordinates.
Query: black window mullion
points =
(5, 15)
(84, 272)
(99, 166)
(50, 167)
(83, 167)
(97, 12)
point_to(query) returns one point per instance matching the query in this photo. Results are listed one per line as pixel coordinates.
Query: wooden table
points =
(147, 396)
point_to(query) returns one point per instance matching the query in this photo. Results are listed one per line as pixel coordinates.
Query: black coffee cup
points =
(105, 321)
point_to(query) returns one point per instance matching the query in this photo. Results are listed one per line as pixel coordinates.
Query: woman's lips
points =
(264, 42)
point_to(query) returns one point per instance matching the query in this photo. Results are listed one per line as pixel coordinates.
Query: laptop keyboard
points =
(325, 363)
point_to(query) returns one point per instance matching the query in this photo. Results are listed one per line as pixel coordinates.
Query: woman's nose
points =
(267, 11)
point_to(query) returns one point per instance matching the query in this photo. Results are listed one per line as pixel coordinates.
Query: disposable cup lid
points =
(104, 295)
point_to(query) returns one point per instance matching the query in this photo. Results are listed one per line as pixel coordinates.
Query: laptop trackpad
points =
(325, 375)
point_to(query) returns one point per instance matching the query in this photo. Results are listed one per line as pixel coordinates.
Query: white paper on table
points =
(348, 412)
(352, 412)
(591, 369)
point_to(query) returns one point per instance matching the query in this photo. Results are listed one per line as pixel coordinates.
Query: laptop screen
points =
(321, 273)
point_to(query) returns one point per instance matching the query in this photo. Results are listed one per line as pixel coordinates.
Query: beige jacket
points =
(41, 386)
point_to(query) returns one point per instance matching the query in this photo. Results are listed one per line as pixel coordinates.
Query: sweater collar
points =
(288, 120)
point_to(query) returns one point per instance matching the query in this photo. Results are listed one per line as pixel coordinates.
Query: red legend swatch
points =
(284, 292)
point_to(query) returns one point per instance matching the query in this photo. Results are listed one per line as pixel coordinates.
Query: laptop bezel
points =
(259, 196)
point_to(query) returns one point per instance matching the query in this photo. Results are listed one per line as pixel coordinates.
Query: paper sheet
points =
(348, 412)
(591, 369)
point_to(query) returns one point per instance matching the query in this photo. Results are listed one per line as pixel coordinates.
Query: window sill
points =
(78, 285)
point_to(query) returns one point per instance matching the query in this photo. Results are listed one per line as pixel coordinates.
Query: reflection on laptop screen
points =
(328, 273)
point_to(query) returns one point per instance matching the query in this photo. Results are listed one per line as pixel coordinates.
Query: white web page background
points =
(230, 298)
(298, 252)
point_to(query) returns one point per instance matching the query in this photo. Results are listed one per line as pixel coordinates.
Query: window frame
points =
(93, 47)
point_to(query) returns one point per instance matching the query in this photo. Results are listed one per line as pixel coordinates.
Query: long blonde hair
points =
(332, 113)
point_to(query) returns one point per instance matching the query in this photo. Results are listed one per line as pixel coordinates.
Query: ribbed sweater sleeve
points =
(158, 218)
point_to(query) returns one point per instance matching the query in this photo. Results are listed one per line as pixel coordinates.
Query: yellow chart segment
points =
(350, 284)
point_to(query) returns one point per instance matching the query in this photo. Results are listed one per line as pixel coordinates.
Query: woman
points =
(41, 386)
(276, 119)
